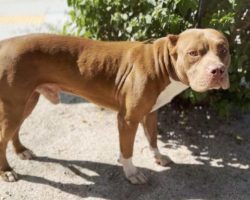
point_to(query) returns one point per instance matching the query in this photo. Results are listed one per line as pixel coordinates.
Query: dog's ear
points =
(172, 41)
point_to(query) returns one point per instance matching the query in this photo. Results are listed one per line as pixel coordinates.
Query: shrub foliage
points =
(145, 19)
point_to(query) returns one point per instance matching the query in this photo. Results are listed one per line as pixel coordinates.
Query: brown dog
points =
(133, 78)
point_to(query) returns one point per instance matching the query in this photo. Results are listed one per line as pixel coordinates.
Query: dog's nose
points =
(217, 70)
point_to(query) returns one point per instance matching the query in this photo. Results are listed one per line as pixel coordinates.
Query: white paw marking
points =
(26, 155)
(9, 176)
(131, 172)
(161, 159)
(137, 178)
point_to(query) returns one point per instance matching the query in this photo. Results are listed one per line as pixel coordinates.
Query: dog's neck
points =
(163, 63)
(171, 70)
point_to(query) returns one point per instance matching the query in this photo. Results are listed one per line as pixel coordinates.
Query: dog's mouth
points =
(210, 84)
(222, 83)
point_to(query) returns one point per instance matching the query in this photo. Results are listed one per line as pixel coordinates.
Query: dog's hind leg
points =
(10, 121)
(23, 152)
(49, 91)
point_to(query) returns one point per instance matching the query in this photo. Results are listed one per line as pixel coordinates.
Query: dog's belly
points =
(173, 89)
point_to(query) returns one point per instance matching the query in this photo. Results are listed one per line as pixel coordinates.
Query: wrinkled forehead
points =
(200, 38)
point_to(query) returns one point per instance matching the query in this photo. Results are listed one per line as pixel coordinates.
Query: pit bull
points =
(133, 78)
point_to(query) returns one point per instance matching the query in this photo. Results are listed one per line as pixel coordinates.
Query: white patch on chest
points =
(173, 89)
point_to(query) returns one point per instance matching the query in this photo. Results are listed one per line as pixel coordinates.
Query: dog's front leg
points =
(127, 131)
(149, 124)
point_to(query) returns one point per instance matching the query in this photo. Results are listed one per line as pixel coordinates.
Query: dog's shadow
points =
(108, 183)
(181, 181)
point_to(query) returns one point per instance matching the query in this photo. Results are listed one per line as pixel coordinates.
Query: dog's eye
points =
(222, 50)
(193, 53)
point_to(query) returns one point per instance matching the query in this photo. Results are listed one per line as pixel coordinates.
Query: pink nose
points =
(217, 71)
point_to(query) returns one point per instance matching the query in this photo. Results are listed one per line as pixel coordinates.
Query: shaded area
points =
(109, 178)
(192, 181)
(212, 140)
(66, 98)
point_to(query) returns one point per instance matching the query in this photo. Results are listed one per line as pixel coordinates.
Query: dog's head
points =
(200, 58)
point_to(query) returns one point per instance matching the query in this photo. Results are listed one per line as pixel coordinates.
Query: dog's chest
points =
(173, 89)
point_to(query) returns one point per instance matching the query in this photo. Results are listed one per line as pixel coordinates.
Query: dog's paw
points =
(9, 176)
(134, 175)
(163, 160)
(26, 155)
(137, 178)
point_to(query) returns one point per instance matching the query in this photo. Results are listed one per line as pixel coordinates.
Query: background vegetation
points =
(145, 19)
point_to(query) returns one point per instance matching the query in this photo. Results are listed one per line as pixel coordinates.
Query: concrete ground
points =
(76, 143)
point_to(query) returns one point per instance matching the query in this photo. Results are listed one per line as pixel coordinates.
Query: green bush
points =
(145, 19)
